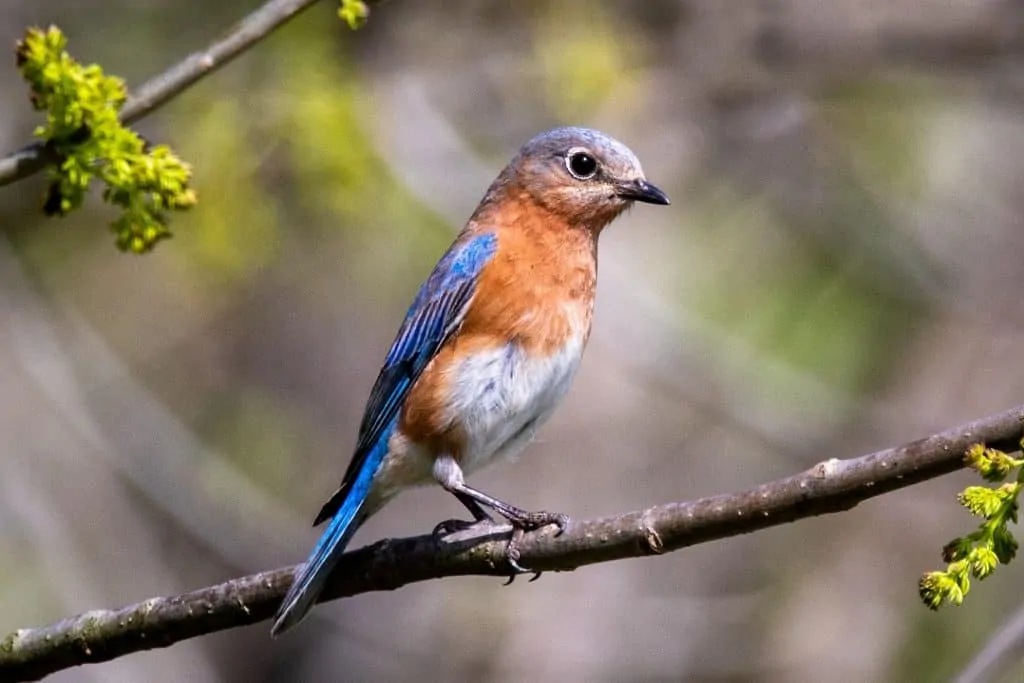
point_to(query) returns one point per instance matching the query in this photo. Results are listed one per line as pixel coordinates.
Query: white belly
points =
(499, 398)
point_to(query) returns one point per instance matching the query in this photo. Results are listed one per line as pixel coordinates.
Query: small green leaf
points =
(981, 501)
(957, 549)
(1004, 545)
(933, 588)
(983, 562)
(991, 464)
(354, 12)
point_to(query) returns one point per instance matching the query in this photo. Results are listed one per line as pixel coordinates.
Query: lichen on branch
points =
(85, 136)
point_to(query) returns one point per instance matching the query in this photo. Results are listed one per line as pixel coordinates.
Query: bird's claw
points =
(520, 570)
(530, 521)
(512, 557)
(516, 568)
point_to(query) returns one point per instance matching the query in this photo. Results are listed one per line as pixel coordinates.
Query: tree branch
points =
(172, 82)
(830, 486)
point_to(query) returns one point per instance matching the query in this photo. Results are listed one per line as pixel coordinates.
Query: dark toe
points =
(450, 526)
(536, 520)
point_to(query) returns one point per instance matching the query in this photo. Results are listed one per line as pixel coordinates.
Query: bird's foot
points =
(530, 521)
(521, 523)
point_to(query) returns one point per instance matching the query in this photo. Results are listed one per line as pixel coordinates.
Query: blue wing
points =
(435, 314)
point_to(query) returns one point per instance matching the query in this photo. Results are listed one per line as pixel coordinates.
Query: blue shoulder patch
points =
(470, 259)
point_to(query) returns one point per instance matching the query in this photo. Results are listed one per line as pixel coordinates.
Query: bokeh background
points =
(840, 271)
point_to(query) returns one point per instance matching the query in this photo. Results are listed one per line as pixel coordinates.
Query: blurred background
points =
(840, 271)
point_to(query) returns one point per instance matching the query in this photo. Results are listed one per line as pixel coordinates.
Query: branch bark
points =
(830, 486)
(172, 82)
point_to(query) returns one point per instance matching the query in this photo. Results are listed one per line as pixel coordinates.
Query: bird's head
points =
(581, 175)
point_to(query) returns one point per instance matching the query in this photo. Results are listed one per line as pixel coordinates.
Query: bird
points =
(489, 346)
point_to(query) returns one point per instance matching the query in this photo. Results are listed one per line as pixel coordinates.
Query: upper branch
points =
(830, 486)
(159, 89)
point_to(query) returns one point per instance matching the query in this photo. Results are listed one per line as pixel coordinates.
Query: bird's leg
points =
(479, 514)
(449, 475)
(528, 521)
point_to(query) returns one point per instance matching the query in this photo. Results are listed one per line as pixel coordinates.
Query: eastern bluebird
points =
(489, 346)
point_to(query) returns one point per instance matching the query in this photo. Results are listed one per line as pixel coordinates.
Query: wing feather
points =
(434, 315)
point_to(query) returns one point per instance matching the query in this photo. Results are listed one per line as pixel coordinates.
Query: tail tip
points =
(286, 618)
(279, 627)
(292, 610)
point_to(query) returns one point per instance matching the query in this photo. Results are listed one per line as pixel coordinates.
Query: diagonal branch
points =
(830, 486)
(172, 82)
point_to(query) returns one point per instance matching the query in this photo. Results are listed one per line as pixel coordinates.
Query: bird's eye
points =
(581, 164)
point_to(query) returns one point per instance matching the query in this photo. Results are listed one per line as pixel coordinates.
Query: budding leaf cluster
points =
(977, 554)
(354, 13)
(84, 134)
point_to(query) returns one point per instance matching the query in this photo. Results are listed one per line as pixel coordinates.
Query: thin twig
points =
(830, 486)
(172, 82)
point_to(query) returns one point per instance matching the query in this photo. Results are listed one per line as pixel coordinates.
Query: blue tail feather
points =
(311, 577)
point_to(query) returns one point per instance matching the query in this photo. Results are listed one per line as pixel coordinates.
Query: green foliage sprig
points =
(84, 132)
(354, 13)
(977, 554)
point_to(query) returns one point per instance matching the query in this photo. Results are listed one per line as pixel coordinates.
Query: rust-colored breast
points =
(539, 288)
(537, 291)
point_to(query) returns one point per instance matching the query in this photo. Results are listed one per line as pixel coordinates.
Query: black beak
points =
(642, 191)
